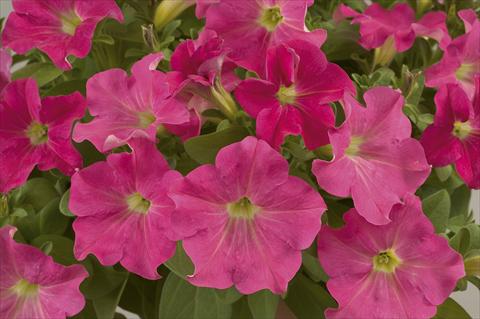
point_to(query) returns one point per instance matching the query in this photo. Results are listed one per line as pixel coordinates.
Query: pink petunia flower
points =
(461, 59)
(454, 136)
(250, 27)
(58, 28)
(245, 220)
(373, 153)
(5, 64)
(126, 107)
(33, 286)
(293, 96)
(123, 210)
(399, 270)
(36, 132)
(395, 27)
(197, 66)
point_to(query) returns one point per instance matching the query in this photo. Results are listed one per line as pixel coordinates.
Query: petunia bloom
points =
(36, 132)
(58, 28)
(244, 220)
(373, 152)
(33, 286)
(198, 67)
(250, 27)
(461, 59)
(399, 270)
(123, 212)
(293, 96)
(454, 136)
(396, 26)
(5, 64)
(126, 107)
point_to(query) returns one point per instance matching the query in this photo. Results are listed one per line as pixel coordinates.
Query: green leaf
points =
(229, 295)
(62, 248)
(64, 204)
(67, 87)
(51, 221)
(263, 304)
(141, 296)
(460, 199)
(450, 309)
(305, 298)
(461, 241)
(38, 192)
(181, 300)
(204, 148)
(102, 280)
(313, 268)
(43, 73)
(437, 208)
(105, 306)
(180, 263)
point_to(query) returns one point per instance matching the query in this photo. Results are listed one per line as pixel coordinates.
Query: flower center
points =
(386, 261)
(461, 129)
(286, 95)
(23, 288)
(37, 133)
(242, 209)
(145, 119)
(465, 72)
(271, 18)
(138, 204)
(70, 22)
(354, 148)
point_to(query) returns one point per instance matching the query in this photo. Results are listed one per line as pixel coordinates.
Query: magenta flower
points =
(36, 132)
(196, 66)
(245, 220)
(461, 59)
(123, 210)
(250, 27)
(5, 64)
(126, 107)
(58, 28)
(33, 286)
(293, 97)
(454, 137)
(397, 25)
(399, 270)
(373, 152)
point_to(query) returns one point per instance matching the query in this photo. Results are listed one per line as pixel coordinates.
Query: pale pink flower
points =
(58, 28)
(33, 286)
(36, 131)
(376, 162)
(123, 212)
(244, 220)
(126, 107)
(398, 270)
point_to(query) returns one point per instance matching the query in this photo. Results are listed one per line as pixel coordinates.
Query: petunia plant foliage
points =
(227, 159)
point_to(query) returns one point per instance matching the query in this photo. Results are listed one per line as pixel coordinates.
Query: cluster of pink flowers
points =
(243, 220)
